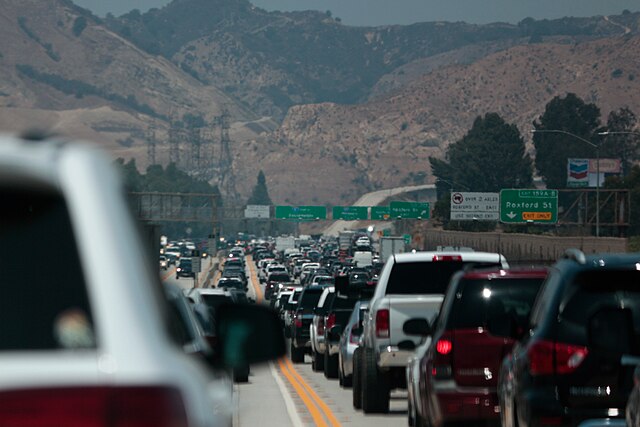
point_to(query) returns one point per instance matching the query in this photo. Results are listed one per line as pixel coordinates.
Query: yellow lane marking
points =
(313, 410)
(166, 275)
(254, 279)
(325, 408)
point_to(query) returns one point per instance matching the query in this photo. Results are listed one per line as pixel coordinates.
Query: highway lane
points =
(283, 393)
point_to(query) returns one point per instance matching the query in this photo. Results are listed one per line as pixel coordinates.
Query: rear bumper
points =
(392, 356)
(540, 404)
(468, 403)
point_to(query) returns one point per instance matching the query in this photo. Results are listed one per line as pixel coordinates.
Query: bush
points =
(79, 25)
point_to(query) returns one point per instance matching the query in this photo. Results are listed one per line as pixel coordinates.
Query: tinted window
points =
(426, 277)
(309, 298)
(279, 278)
(477, 301)
(214, 301)
(44, 303)
(593, 292)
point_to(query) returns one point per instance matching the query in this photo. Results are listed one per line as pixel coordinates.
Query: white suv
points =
(75, 332)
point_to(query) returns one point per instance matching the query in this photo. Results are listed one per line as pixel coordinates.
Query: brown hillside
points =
(386, 142)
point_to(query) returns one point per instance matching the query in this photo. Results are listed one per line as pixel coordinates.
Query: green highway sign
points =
(350, 213)
(301, 213)
(407, 239)
(530, 205)
(409, 210)
(380, 213)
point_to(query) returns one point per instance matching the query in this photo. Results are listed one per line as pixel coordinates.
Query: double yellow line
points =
(320, 411)
(254, 279)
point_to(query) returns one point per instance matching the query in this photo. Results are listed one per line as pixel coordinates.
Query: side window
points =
(44, 303)
(544, 299)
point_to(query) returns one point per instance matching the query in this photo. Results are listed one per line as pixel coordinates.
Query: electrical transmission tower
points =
(226, 180)
(150, 137)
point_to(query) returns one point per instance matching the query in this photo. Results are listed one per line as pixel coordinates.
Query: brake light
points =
(382, 323)
(444, 347)
(547, 358)
(321, 326)
(93, 407)
(442, 365)
(446, 258)
(331, 321)
(298, 321)
(353, 339)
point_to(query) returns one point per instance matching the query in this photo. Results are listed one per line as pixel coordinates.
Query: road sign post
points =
(409, 210)
(301, 213)
(475, 206)
(350, 213)
(529, 206)
(380, 213)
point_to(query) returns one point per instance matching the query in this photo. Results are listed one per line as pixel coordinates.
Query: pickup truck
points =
(411, 285)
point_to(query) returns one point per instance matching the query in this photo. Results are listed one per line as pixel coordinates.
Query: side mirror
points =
(335, 332)
(247, 334)
(418, 327)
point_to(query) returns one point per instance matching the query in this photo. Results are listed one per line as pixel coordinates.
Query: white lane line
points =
(288, 401)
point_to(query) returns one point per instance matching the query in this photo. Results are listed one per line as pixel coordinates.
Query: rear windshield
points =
(342, 303)
(309, 298)
(427, 277)
(279, 278)
(44, 303)
(602, 293)
(479, 301)
(214, 301)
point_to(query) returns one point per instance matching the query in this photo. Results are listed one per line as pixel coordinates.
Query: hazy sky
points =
(381, 12)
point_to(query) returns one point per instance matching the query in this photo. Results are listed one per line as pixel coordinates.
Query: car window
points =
(309, 298)
(43, 290)
(426, 277)
(477, 301)
(592, 292)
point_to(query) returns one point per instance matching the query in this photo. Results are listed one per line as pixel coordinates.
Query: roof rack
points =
(576, 255)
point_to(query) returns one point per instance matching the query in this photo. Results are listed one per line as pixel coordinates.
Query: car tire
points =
(297, 354)
(318, 362)
(375, 391)
(357, 390)
(347, 381)
(241, 374)
(330, 365)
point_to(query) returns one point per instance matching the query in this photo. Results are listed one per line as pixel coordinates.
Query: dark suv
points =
(454, 377)
(569, 364)
(185, 268)
(300, 336)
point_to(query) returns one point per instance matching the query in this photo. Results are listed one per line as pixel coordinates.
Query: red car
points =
(457, 372)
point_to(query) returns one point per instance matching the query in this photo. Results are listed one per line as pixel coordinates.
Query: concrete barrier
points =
(522, 247)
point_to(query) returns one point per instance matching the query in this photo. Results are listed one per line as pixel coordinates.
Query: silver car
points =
(349, 341)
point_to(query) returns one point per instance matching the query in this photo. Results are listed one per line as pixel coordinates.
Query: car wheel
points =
(330, 365)
(375, 391)
(347, 380)
(356, 391)
(297, 354)
(318, 362)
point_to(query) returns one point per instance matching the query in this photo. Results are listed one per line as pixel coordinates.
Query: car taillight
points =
(331, 321)
(547, 358)
(93, 407)
(298, 321)
(382, 323)
(446, 258)
(321, 326)
(443, 357)
(353, 338)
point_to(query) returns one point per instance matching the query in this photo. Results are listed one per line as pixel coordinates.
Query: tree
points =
(491, 156)
(625, 147)
(570, 114)
(260, 194)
